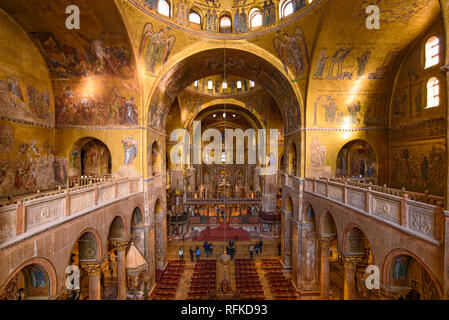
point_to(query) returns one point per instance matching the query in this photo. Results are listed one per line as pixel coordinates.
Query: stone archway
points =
(35, 279)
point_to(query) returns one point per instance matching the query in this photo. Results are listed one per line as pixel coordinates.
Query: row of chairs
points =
(281, 288)
(168, 284)
(203, 280)
(247, 280)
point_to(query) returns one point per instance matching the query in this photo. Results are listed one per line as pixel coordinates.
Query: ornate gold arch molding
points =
(252, 117)
(243, 62)
(286, 22)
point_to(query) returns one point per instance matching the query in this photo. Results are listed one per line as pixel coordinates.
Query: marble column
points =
(94, 271)
(120, 246)
(324, 274)
(350, 264)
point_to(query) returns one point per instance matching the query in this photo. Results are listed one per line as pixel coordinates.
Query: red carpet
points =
(223, 233)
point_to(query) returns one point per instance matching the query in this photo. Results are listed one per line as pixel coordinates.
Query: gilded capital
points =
(92, 269)
(351, 261)
(120, 245)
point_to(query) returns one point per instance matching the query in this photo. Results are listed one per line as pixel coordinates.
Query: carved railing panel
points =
(39, 212)
(356, 199)
(106, 194)
(336, 192)
(7, 222)
(386, 208)
(123, 189)
(81, 200)
(421, 219)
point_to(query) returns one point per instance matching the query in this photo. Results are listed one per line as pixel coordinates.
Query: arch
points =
(357, 158)
(158, 206)
(309, 214)
(117, 228)
(292, 159)
(225, 25)
(327, 226)
(433, 92)
(432, 52)
(156, 159)
(392, 258)
(195, 16)
(44, 265)
(137, 218)
(255, 18)
(164, 8)
(289, 206)
(249, 63)
(94, 236)
(356, 242)
(286, 8)
(89, 156)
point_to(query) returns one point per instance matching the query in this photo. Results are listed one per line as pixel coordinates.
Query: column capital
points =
(351, 261)
(120, 245)
(325, 240)
(92, 268)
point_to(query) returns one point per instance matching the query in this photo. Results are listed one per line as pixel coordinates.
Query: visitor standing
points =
(206, 248)
(211, 249)
(197, 253)
(232, 252)
(181, 254)
(260, 245)
(251, 251)
(191, 254)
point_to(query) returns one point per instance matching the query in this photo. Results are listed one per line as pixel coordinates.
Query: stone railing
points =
(417, 218)
(189, 200)
(421, 197)
(40, 212)
(74, 183)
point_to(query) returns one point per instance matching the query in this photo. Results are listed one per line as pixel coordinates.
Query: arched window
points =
(194, 17)
(196, 83)
(255, 18)
(163, 8)
(251, 83)
(432, 52)
(225, 24)
(286, 8)
(239, 85)
(210, 85)
(433, 93)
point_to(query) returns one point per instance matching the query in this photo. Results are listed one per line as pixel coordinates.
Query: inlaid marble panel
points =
(336, 193)
(421, 219)
(356, 199)
(321, 188)
(81, 201)
(41, 213)
(106, 194)
(7, 224)
(385, 208)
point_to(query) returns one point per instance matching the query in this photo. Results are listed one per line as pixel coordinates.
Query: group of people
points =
(258, 246)
(196, 253)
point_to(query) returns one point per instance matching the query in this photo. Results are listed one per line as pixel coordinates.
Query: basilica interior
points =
(117, 181)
